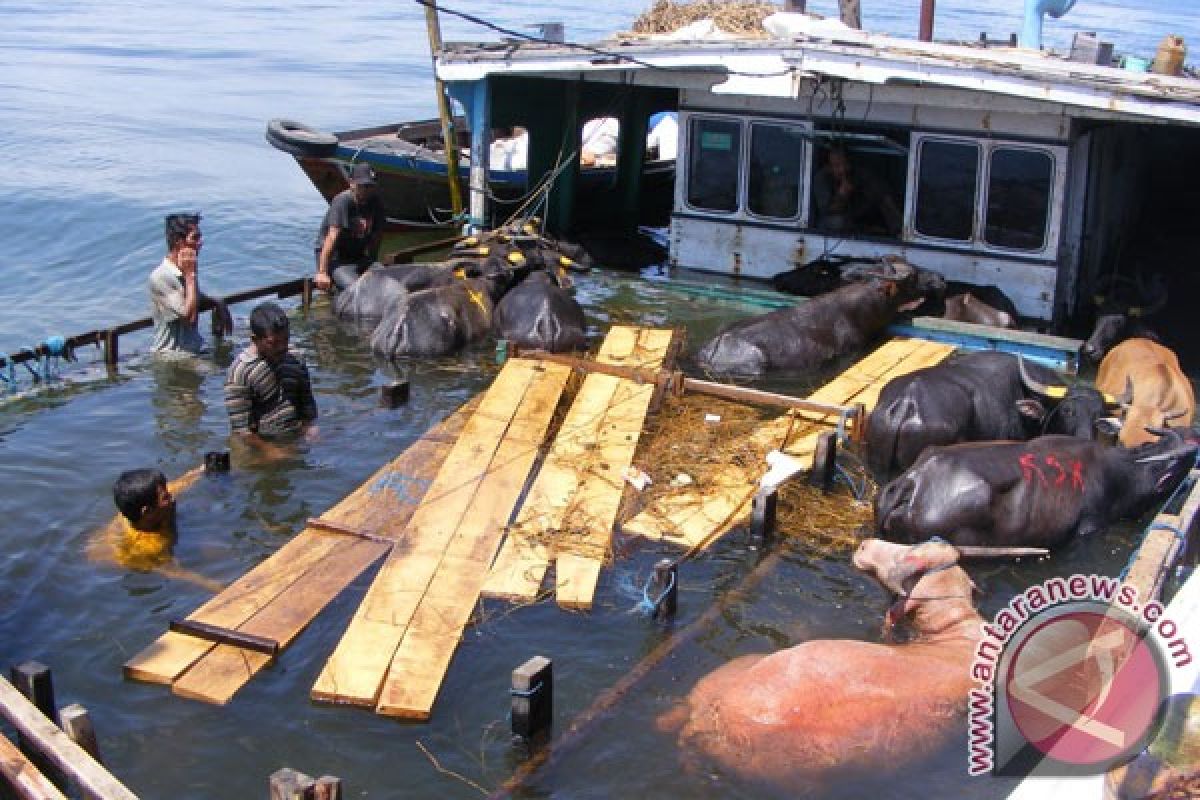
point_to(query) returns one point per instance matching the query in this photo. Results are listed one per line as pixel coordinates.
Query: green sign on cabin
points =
(715, 140)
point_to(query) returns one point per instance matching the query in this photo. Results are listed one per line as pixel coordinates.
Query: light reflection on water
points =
(117, 112)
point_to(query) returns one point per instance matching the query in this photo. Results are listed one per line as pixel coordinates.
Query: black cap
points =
(362, 175)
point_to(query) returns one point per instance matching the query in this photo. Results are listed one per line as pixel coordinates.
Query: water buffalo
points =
(1036, 493)
(382, 288)
(1157, 390)
(539, 313)
(443, 319)
(810, 335)
(977, 397)
(796, 717)
(981, 305)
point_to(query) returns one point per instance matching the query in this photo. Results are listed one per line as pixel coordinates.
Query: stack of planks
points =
(572, 506)
(279, 597)
(396, 651)
(694, 518)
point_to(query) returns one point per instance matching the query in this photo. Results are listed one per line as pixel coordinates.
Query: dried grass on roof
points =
(743, 18)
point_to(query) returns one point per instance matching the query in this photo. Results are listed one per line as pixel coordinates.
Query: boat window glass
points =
(773, 179)
(947, 177)
(714, 146)
(1018, 198)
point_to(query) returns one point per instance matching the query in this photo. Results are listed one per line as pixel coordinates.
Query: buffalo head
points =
(1062, 408)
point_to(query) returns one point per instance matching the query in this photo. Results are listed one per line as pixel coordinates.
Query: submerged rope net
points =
(743, 18)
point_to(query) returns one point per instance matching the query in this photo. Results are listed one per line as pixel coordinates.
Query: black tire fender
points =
(298, 139)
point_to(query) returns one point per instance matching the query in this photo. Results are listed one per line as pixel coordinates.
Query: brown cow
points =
(1161, 393)
(793, 717)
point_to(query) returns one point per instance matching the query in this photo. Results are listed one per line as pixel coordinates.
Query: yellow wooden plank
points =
(354, 672)
(393, 490)
(425, 652)
(521, 565)
(697, 517)
(601, 491)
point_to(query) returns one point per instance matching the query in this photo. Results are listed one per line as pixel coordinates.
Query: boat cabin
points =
(1058, 182)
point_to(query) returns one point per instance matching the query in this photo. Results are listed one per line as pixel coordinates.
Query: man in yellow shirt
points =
(143, 535)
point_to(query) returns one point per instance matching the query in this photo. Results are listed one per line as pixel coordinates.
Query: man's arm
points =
(322, 280)
(222, 320)
(191, 292)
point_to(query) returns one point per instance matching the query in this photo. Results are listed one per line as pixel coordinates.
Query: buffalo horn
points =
(1170, 415)
(975, 551)
(1173, 453)
(1033, 385)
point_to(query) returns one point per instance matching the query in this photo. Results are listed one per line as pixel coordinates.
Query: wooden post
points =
(762, 515)
(665, 588)
(288, 784)
(77, 723)
(824, 461)
(794, 5)
(533, 697)
(858, 433)
(111, 353)
(393, 394)
(306, 290)
(328, 787)
(851, 13)
(33, 680)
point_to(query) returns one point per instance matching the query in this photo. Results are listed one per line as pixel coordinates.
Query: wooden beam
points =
(23, 777)
(58, 747)
(222, 635)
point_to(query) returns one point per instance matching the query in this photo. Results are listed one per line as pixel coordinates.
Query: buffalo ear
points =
(1033, 409)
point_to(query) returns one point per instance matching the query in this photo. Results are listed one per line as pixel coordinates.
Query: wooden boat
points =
(409, 159)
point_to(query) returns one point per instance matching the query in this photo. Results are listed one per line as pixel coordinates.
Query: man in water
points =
(351, 231)
(143, 535)
(848, 198)
(268, 392)
(174, 288)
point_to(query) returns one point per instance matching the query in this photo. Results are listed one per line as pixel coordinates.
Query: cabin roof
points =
(776, 66)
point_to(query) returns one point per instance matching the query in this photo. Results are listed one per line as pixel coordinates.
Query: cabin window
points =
(947, 180)
(773, 180)
(714, 147)
(858, 182)
(1018, 199)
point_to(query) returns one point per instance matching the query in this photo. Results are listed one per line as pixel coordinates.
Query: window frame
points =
(986, 147)
(804, 173)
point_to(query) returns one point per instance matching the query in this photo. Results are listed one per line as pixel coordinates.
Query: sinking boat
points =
(409, 160)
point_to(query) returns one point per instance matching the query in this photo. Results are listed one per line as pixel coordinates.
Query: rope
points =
(650, 607)
(530, 692)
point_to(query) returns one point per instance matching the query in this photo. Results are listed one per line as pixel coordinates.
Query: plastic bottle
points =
(1169, 59)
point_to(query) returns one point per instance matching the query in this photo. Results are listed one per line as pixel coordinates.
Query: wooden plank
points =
(58, 747)
(424, 654)
(1161, 545)
(696, 517)
(355, 671)
(577, 568)
(382, 504)
(23, 777)
(521, 565)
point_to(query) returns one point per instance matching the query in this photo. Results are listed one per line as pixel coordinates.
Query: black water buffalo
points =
(1036, 493)
(539, 313)
(443, 319)
(977, 397)
(382, 288)
(808, 336)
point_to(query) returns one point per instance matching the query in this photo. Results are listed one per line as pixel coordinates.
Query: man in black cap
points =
(350, 232)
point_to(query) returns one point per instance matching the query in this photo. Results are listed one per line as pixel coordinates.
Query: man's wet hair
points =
(136, 490)
(178, 226)
(267, 318)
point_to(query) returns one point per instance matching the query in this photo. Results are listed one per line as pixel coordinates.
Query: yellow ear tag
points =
(1109, 400)
(1057, 392)
(471, 241)
(459, 272)
(529, 229)
(504, 238)
(564, 261)
(483, 250)
(516, 259)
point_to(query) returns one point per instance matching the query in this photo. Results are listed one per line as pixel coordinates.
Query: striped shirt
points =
(265, 398)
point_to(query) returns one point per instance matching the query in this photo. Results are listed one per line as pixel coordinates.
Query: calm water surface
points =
(117, 113)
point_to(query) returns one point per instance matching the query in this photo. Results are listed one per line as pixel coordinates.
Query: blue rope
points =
(530, 692)
(859, 491)
(648, 606)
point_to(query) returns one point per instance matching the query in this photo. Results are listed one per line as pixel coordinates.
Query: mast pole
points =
(451, 141)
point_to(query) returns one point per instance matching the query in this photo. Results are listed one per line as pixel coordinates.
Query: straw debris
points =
(742, 18)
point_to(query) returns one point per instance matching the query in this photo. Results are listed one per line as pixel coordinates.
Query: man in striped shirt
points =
(267, 390)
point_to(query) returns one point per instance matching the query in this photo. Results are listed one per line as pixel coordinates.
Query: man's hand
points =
(187, 262)
(321, 281)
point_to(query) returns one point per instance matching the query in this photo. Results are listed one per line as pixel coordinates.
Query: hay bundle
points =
(742, 17)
